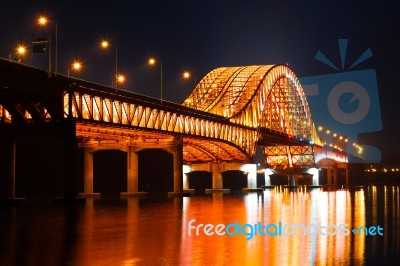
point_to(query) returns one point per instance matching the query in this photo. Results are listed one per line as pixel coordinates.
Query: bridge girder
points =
(290, 156)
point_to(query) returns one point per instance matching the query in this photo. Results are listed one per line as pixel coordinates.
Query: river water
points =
(301, 227)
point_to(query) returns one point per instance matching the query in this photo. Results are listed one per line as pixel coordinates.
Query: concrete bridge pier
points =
(314, 172)
(217, 176)
(132, 174)
(292, 180)
(292, 176)
(217, 181)
(335, 175)
(345, 166)
(215, 169)
(331, 176)
(70, 147)
(251, 170)
(185, 176)
(132, 170)
(131, 178)
(7, 172)
(177, 152)
(88, 174)
(267, 176)
(218, 168)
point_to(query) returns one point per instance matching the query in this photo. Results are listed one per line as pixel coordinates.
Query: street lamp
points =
(120, 78)
(43, 21)
(20, 51)
(75, 66)
(188, 75)
(152, 61)
(104, 44)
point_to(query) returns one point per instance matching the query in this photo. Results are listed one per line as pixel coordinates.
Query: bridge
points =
(231, 112)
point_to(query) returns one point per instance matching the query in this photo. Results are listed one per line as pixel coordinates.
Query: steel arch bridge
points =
(268, 98)
(229, 113)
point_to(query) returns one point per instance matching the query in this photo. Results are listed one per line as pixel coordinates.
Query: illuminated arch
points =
(258, 96)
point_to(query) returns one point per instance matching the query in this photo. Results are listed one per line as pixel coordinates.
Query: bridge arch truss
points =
(268, 98)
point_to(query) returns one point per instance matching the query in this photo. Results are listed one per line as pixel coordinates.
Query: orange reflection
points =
(272, 207)
(144, 232)
(359, 220)
(158, 233)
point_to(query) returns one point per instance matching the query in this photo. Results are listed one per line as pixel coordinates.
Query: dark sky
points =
(202, 35)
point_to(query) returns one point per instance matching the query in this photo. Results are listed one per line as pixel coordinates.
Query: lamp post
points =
(187, 75)
(152, 61)
(43, 21)
(104, 44)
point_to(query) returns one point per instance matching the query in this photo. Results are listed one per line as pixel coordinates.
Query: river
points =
(274, 227)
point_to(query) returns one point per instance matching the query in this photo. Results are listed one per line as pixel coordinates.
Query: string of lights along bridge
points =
(339, 141)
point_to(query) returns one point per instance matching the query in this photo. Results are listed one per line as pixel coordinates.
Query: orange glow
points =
(104, 44)
(76, 65)
(42, 20)
(151, 61)
(21, 50)
(121, 78)
(186, 75)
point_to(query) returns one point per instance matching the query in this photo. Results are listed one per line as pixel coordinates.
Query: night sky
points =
(200, 36)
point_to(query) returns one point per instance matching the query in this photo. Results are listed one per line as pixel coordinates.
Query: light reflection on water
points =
(155, 232)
